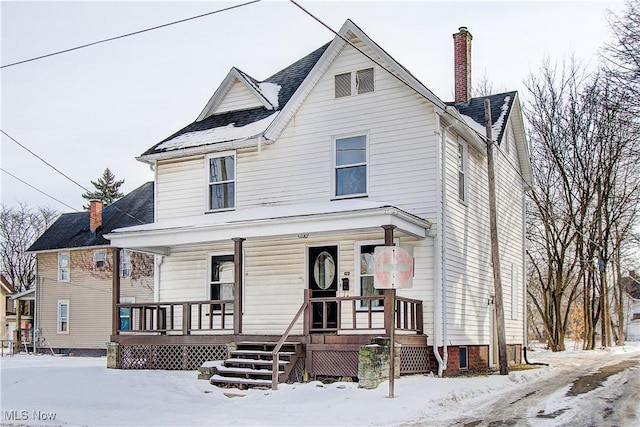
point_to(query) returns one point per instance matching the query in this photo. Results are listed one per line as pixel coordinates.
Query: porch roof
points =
(268, 222)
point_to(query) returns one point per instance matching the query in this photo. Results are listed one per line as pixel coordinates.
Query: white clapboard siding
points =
(239, 97)
(180, 188)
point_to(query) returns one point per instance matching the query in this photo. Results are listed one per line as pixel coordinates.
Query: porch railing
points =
(363, 312)
(177, 318)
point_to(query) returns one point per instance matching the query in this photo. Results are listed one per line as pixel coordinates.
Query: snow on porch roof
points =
(268, 221)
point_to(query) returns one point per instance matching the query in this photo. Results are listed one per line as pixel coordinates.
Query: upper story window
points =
(350, 174)
(359, 82)
(462, 170)
(63, 266)
(221, 192)
(99, 260)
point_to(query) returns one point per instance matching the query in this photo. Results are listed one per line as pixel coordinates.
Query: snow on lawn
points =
(81, 391)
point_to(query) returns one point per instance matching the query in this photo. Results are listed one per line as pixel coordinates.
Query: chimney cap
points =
(461, 29)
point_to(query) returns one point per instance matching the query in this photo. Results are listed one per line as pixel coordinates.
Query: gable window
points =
(125, 263)
(361, 80)
(99, 260)
(221, 182)
(462, 170)
(63, 266)
(366, 260)
(63, 317)
(221, 279)
(350, 177)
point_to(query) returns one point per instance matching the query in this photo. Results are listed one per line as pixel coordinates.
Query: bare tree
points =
(19, 228)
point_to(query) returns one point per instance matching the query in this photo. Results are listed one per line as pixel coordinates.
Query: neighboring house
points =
(76, 273)
(7, 309)
(631, 285)
(269, 207)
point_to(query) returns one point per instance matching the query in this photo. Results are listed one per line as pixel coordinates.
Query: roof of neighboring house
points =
(289, 79)
(501, 104)
(631, 284)
(71, 230)
(6, 286)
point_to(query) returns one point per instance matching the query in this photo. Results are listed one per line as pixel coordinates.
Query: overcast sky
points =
(104, 105)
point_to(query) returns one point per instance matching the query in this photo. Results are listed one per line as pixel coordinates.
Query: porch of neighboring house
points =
(22, 321)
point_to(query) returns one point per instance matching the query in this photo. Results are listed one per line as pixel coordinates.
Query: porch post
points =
(237, 284)
(388, 303)
(115, 311)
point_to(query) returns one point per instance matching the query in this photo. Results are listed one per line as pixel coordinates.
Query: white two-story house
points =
(269, 206)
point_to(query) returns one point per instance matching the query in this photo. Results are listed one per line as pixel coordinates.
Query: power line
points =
(38, 190)
(44, 161)
(129, 34)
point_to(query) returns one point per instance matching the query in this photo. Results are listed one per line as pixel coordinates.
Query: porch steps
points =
(251, 364)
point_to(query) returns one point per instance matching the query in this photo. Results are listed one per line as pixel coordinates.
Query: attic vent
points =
(364, 80)
(343, 85)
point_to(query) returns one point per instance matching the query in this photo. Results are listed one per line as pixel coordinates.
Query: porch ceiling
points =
(268, 222)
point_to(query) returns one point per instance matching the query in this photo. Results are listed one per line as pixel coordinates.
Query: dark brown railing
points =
(364, 313)
(178, 318)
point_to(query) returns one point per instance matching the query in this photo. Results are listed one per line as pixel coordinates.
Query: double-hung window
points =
(99, 260)
(462, 170)
(221, 279)
(366, 259)
(63, 317)
(350, 173)
(221, 182)
(63, 266)
(125, 263)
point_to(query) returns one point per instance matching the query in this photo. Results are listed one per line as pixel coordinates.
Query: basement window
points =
(464, 358)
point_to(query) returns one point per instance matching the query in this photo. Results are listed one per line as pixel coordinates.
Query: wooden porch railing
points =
(363, 313)
(181, 318)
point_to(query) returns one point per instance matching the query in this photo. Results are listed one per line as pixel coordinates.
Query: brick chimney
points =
(462, 65)
(95, 215)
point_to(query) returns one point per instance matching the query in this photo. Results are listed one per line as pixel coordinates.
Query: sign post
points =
(393, 269)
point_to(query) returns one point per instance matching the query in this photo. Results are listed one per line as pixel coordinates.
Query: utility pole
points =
(495, 253)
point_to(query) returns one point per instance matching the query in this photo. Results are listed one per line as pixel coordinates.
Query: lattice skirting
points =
(414, 359)
(188, 357)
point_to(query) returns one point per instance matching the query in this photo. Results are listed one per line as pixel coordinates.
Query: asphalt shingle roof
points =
(475, 109)
(71, 230)
(289, 79)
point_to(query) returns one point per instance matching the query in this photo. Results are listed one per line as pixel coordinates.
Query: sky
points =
(102, 106)
(80, 391)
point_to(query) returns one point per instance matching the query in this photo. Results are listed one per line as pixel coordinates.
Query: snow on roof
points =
(474, 125)
(270, 91)
(496, 127)
(219, 134)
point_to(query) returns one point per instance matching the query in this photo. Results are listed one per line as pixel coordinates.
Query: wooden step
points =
(245, 372)
(262, 362)
(260, 353)
(218, 379)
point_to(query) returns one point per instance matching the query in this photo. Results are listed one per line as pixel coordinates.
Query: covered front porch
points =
(294, 280)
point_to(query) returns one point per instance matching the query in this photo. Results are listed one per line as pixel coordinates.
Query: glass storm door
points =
(323, 282)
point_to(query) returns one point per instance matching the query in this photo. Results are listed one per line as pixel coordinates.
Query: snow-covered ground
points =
(47, 390)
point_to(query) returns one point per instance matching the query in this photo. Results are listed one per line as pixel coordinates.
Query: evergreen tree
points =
(106, 189)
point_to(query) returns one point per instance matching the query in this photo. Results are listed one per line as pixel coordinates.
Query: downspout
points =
(156, 277)
(440, 294)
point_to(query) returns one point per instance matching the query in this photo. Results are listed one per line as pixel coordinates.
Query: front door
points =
(323, 282)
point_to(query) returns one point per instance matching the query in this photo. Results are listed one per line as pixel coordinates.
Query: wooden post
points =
(17, 342)
(238, 284)
(115, 293)
(389, 315)
(495, 253)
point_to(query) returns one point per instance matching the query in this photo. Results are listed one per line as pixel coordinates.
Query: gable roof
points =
(235, 124)
(71, 230)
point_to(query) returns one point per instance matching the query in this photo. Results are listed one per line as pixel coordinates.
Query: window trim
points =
(464, 171)
(96, 261)
(59, 330)
(67, 268)
(209, 282)
(207, 176)
(334, 168)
